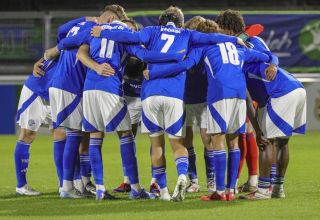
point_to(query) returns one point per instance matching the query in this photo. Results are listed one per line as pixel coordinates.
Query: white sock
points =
(153, 180)
(182, 177)
(100, 187)
(126, 180)
(263, 190)
(253, 180)
(195, 181)
(136, 187)
(78, 185)
(67, 185)
(164, 190)
(85, 180)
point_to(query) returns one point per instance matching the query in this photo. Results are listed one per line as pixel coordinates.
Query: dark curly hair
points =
(231, 20)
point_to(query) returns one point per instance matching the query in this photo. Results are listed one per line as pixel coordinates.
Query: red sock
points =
(243, 151)
(252, 154)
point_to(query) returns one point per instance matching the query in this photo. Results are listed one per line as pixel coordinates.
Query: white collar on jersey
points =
(119, 22)
(171, 24)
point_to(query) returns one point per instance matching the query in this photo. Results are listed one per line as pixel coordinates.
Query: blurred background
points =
(28, 27)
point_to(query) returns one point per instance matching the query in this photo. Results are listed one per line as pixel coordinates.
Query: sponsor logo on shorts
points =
(31, 123)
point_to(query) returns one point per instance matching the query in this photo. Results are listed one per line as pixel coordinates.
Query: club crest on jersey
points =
(31, 123)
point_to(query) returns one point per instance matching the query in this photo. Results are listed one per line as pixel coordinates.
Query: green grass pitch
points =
(302, 187)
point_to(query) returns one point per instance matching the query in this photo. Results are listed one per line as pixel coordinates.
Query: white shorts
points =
(32, 111)
(104, 111)
(196, 114)
(161, 113)
(284, 116)
(66, 109)
(135, 108)
(227, 116)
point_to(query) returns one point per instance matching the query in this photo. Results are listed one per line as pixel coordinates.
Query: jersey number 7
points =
(169, 41)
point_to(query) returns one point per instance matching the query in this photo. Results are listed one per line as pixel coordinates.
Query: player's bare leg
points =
(21, 156)
(282, 164)
(265, 164)
(181, 159)
(206, 140)
(192, 169)
(159, 164)
(233, 164)
(217, 155)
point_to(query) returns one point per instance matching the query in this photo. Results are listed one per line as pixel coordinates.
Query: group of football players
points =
(108, 75)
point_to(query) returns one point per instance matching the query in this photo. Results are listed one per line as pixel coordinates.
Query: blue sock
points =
(192, 169)
(129, 160)
(58, 148)
(152, 173)
(233, 166)
(182, 165)
(263, 183)
(95, 156)
(85, 167)
(71, 151)
(76, 174)
(21, 158)
(209, 166)
(273, 173)
(220, 160)
(161, 176)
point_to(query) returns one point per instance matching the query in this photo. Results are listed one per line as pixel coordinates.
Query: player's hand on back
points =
(95, 31)
(37, 71)
(271, 72)
(51, 53)
(146, 74)
(104, 69)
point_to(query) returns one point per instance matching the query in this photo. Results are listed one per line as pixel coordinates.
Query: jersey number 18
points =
(229, 53)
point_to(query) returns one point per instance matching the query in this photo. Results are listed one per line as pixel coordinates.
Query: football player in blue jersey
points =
(162, 103)
(105, 109)
(34, 111)
(225, 105)
(281, 113)
(231, 22)
(66, 101)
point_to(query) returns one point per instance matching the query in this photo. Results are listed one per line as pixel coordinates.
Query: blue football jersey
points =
(196, 85)
(41, 85)
(104, 50)
(262, 89)
(70, 73)
(223, 64)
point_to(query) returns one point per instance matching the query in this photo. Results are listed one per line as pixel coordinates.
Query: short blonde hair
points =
(208, 26)
(193, 22)
(117, 10)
